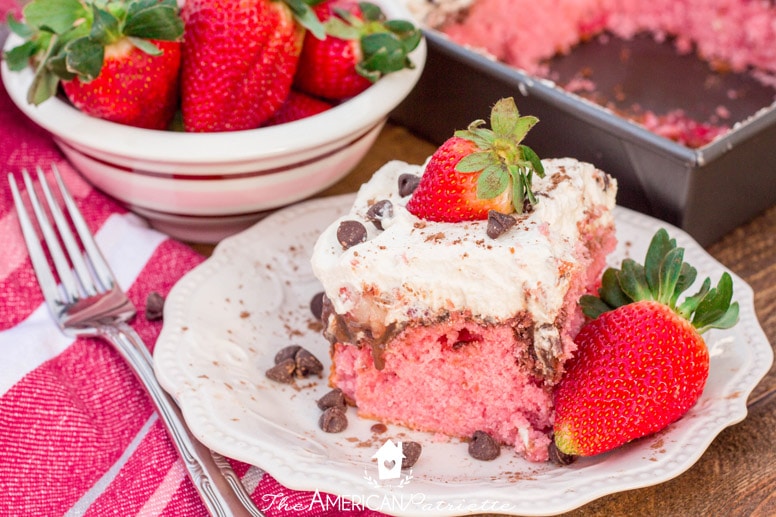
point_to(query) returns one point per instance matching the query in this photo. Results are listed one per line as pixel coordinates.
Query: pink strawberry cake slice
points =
(440, 327)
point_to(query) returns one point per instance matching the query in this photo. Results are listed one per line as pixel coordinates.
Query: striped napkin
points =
(78, 435)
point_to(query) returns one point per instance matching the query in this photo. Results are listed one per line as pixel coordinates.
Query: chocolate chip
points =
(378, 428)
(560, 458)
(154, 306)
(379, 212)
(411, 451)
(316, 305)
(288, 352)
(483, 447)
(350, 233)
(282, 372)
(407, 184)
(333, 420)
(334, 398)
(499, 223)
(307, 364)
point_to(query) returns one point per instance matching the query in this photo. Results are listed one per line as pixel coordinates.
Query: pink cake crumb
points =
(455, 377)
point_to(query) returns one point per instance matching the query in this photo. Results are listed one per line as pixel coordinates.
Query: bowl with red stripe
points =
(204, 186)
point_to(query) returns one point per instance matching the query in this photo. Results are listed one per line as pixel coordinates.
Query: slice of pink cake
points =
(441, 328)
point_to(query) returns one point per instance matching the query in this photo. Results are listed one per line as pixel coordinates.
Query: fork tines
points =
(83, 265)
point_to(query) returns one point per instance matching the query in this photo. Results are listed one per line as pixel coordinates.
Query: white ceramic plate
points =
(225, 320)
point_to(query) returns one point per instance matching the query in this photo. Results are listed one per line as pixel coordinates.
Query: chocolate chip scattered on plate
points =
(411, 451)
(294, 361)
(307, 364)
(333, 420)
(483, 447)
(334, 398)
(282, 372)
(288, 352)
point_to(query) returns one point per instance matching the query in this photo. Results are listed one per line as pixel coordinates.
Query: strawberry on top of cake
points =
(452, 288)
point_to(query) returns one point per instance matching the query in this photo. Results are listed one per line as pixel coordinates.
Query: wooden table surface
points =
(736, 476)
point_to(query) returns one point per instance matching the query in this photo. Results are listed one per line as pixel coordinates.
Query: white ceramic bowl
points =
(204, 186)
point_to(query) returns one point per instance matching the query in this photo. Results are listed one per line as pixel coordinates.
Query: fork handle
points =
(217, 484)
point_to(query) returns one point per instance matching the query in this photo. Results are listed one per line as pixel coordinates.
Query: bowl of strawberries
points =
(202, 117)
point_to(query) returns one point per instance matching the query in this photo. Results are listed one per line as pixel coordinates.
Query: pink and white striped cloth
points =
(78, 436)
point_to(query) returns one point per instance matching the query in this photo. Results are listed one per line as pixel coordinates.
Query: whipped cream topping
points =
(413, 268)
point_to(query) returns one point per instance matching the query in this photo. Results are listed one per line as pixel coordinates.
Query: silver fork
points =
(88, 301)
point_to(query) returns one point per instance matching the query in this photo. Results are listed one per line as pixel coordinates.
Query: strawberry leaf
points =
(84, 58)
(686, 279)
(715, 309)
(659, 246)
(535, 163)
(492, 182)
(518, 189)
(523, 126)
(57, 16)
(670, 270)
(146, 46)
(383, 53)
(504, 118)
(306, 17)
(150, 19)
(18, 58)
(105, 28)
(592, 306)
(22, 30)
(633, 280)
(338, 28)
(475, 162)
(690, 304)
(44, 85)
(610, 291)
(371, 12)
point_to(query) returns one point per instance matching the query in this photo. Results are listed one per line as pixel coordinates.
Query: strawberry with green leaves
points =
(641, 363)
(479, 170)
(115, 59)
(239, 60)
(360, 47)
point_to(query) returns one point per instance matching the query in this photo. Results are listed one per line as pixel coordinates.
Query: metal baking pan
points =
(706, 191)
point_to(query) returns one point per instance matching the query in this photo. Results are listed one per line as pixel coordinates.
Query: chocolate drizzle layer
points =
(541, 356)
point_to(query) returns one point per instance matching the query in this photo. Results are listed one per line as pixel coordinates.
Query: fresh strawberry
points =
(479, 169)
(642, 363)
(360, 47)
(296, 107)
(117, 60)
(239, 60)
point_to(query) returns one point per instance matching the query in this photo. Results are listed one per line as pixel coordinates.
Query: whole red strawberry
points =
(641, 364)
(360, 47)
(479, 170)
(120, 94)
(239, 60)
(115, 60)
